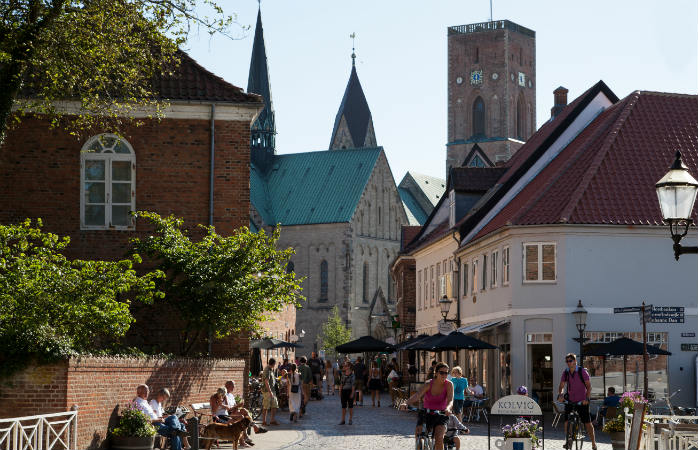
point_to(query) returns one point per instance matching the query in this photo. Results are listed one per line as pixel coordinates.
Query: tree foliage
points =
(51, 306)
(219, 284)
(333, 333)
(103, 54)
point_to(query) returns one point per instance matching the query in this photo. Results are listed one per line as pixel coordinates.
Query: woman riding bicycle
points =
(438, 401)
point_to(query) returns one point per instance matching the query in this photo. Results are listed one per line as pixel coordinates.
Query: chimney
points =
(560, 95)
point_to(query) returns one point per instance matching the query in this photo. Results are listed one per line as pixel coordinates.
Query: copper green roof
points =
(313, 187)
(415, 214)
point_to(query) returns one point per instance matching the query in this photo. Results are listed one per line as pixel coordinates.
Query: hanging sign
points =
(690, 334)
(516, 405)
(689, 347)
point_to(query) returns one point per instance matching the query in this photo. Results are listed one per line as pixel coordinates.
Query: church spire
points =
(353, 125)
(263, 132)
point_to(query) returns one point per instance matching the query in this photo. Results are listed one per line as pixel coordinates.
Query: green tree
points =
(103, 54)
(51, 305)
(219, 285)
(333, 333)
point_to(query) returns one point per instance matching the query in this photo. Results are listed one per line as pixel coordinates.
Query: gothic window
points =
(365, 283)
(479, 117)
(477, 55)
(476, 161)
(323, 281)
(108, 183)
(495, 129)
(520, 118)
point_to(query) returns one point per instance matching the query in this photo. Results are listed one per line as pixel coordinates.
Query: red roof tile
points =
(191, 82)
(407, 234)
(434, 235)
(606, 175)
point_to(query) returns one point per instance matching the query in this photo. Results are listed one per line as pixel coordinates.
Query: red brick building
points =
(193, 163)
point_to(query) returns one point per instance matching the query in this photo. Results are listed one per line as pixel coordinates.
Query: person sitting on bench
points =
(169, 427)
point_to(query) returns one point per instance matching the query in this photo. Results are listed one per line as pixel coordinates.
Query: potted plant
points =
(616, 429)
(520, 436)
(134, 432)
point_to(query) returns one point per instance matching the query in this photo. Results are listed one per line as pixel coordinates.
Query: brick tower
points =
(491, 92)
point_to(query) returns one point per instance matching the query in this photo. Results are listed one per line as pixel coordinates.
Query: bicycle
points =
(425, 439)
(668, 406)
(254, 399)
(575, 427)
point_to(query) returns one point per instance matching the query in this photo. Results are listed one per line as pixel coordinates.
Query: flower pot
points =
(514, 444)
(132, 443)
(617, 440)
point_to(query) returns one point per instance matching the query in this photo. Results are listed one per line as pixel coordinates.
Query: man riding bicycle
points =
(438, 401)
(578, 395)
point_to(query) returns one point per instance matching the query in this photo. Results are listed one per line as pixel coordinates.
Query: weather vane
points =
(353, 55)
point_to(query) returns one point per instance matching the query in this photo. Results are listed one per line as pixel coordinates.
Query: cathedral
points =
(339, 208)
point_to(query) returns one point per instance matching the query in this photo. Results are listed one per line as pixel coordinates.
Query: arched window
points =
(323, 281)
(107, 183)
(520, 118)
(365, 283)
(478, 117)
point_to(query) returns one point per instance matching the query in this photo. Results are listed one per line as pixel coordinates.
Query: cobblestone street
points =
(375, 428)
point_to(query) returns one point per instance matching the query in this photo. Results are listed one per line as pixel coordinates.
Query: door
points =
(541, 375)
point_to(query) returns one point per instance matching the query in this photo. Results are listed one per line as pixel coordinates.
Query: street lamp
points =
(580, 319)
(676, 192)
(445, 304)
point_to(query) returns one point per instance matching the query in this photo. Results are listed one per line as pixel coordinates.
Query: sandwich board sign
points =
(515, 405)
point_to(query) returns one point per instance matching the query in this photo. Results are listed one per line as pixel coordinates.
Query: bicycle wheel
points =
(578, 435)
(255, 405)
(422, 443)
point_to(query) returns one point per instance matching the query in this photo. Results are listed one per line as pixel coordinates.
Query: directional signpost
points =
(667, 314)
(645, 316)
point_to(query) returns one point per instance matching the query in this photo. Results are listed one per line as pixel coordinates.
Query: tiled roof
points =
(432, 187)
(606, 175)
(530, 152)
(415, 214)
(475, 179)
(314, 187)
(192, 82)
(434, 235)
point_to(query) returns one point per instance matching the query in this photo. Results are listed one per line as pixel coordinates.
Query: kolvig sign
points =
(516, 405)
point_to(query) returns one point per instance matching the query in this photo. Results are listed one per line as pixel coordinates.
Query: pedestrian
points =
(316, 368)
(430, 373)
(393, 378)
(374, 383)
(346, 395)
(359, 373)
(306, 380)
(329, 376)
(294, 393)
(269, 401)
(460, 384)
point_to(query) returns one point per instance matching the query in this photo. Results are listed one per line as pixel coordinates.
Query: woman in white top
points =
(294, 398)
(329, 376)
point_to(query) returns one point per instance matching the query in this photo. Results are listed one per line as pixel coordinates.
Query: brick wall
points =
(101, 387)
(403, 273)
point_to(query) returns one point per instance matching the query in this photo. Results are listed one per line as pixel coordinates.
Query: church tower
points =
(353, 125)
(491, 92)
(263, 131)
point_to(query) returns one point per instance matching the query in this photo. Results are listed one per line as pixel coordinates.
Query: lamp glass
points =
(580, 317)
(445, 304)
(676, 201)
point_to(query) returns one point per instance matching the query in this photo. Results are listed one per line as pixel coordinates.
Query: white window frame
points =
(473, 285)
(108, 156)
(539, 280)
(506, 266)
(466, 274)
(494, 257)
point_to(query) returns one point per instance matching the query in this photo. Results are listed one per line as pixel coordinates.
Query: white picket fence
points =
(58, 431)
(664, 432)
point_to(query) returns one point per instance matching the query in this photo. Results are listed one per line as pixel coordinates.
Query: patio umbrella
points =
(405, 345)
(457, 341)
(256, 361)
(269, 344)
(365, 344)
(620, 347)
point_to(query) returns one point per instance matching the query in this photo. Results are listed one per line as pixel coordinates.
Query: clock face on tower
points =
(476, 77)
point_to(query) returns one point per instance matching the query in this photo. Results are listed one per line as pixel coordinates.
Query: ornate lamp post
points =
(580, 319)
(676, 192)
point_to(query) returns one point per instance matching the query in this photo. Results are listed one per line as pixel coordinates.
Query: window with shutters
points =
(539, 261)
(465, 279)
(494, 261)
(484, 272)
(107, 184)
(505, 266)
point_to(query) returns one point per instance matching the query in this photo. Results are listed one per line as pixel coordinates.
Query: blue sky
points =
(401, 60)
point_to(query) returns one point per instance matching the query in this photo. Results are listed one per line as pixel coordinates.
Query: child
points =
(452, 429)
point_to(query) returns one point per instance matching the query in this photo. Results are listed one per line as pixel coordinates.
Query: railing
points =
(490, 26)
(665, 432)
(57, 431)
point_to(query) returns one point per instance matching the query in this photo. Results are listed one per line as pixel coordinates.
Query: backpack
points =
(579, 372)
(294, 386)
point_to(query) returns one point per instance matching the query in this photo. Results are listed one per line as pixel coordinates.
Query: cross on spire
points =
(353, 54)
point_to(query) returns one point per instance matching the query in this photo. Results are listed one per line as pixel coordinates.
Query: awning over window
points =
(481, 326)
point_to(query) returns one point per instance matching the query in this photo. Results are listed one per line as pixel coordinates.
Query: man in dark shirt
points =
(359, 373)
(306, 379)
(315, 364)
